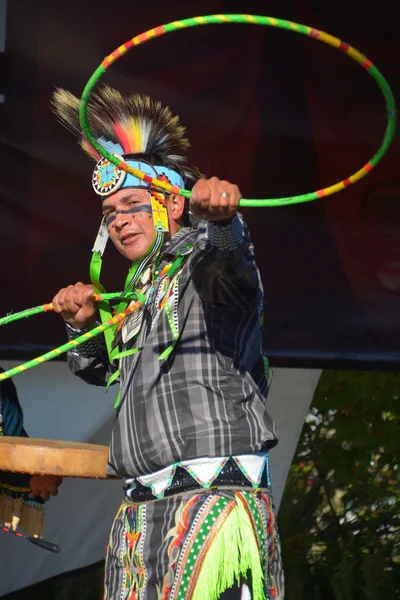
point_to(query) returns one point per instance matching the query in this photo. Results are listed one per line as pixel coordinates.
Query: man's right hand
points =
(75, 304)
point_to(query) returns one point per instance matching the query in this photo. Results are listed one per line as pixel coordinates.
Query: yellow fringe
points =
(17, 512)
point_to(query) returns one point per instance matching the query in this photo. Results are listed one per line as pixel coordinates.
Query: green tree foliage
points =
(340, 514)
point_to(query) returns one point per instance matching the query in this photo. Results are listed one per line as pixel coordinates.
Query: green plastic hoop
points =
(84, 337)
(255, 20)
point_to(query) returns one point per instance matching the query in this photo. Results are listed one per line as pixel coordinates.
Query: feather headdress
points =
(129, 124)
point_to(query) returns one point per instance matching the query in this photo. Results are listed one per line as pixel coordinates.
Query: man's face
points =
(129, 221)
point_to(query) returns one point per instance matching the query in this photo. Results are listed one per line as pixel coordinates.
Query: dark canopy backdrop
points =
(275, 112)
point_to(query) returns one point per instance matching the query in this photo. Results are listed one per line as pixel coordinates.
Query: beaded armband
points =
(89, 349)
(225, 236)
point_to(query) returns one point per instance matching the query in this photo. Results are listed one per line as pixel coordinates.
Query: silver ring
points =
(225, 194)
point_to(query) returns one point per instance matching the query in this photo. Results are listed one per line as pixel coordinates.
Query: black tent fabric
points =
(275, 112)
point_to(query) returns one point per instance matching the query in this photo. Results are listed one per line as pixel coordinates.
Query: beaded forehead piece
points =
(140, 174)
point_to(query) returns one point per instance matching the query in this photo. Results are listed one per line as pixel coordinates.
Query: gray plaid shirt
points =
(208, 397)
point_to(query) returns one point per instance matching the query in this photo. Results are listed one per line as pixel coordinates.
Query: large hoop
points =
(258, 20)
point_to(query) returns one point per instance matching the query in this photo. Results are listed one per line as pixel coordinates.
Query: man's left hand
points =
(214, 200)
(44, 486)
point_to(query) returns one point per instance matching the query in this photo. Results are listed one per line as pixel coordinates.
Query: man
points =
(21, 495)
(192, 433)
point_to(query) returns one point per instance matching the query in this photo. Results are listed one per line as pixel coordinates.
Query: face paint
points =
(143, 208)
(129, 221)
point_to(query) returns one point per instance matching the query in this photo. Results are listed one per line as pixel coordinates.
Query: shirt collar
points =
(181, 243)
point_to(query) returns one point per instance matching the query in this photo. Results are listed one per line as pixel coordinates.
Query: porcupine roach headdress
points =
(129, 125)
(148, 137)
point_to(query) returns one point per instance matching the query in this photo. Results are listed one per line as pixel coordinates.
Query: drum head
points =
(53, 457)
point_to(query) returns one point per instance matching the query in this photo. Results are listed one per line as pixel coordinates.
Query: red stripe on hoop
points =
(147, 178)
(159, 30)
(116, 54)
(367, 64)
(321, 193)
(368, 167)
(315, 33)
(106, 63)
(343, 46)
(143, 37)
(346, 182)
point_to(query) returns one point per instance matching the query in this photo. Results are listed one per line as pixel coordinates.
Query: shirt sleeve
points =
(13, 420)
(13, 425)
(222, 265)
(89, 361)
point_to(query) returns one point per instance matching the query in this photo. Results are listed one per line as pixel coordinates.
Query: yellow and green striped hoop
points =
(84, 337)
(254, 20)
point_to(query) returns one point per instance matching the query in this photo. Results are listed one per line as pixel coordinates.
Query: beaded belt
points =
(244, 471)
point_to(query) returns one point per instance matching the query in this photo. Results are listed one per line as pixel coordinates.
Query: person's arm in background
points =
(39, 486)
